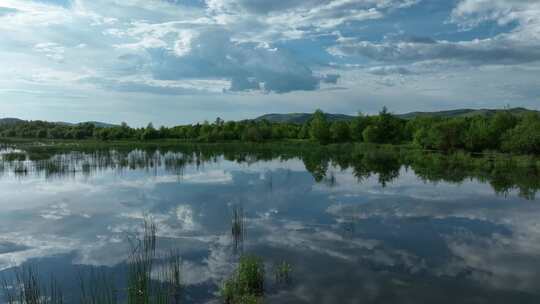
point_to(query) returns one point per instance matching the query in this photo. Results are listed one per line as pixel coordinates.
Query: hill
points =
(13, 121)
(300, 118)
(97, 124)
(10, 121)
(465, 113)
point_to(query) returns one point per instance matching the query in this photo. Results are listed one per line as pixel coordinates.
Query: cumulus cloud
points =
(213, 55)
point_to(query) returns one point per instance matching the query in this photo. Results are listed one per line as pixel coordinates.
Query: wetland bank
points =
(272, 223)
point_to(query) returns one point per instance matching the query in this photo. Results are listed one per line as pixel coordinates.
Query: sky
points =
(183, 61)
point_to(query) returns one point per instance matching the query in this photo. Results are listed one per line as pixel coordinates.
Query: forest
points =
(504, 131)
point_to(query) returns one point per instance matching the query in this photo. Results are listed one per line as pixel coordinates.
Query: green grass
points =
(246, 285)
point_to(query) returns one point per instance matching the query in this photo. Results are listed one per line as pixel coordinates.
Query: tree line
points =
(503, 131)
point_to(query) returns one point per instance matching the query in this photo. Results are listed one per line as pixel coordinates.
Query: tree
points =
(525, 137)
(445, 135)
(252, 134)
(358, 125)
(149, 133)
(371, 134)
(340, 132)
(478, 135)
(501, 123)
(304, 131)
(386, 128)
(319, 129)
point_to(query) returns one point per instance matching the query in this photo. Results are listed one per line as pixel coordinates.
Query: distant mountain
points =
(301, 118)
(465, 113)
(97, 124)
(12, 121)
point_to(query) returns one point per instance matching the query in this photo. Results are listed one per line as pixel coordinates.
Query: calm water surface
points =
(379, 234)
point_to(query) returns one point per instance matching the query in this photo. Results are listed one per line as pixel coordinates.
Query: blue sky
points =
(181, 61)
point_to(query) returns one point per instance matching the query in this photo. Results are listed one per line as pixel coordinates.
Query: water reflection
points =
(503, 173)
(373, 226)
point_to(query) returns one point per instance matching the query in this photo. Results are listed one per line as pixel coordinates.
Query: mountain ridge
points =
(98, 124)
(301, 118)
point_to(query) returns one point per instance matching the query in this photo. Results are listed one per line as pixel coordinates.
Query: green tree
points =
(358, 125)
(525, 137)
(304, 131)
(149, 133)
(478, 135)
(340, 132)
(319, 129)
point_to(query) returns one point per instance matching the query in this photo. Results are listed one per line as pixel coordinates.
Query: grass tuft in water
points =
(246, 285)
(140, 265)
(283, 273)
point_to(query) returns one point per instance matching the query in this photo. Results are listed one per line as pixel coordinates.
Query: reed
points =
(238, 227)
(28, 288)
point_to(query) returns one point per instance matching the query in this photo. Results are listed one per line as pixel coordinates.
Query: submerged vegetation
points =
(504, 131)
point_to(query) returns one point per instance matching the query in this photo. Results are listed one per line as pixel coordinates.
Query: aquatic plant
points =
(145, 284)
(140, 265)
(246, 285)
(97, 287)
(283, 273)
(28, 288)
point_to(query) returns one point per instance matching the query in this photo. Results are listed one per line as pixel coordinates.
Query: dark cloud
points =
(330, 78)
(420, 39)
(499, 50)
(214, 56)
(389, 70)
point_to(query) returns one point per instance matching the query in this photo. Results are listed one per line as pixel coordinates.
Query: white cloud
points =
(52, 50)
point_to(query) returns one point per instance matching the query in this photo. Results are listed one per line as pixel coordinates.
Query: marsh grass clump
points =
(246, 285)
(27, 288)
(168, 289)
(283, 273)
(140, 265)
(146, 283)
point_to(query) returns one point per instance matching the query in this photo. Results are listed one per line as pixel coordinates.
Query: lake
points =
(358, 226)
